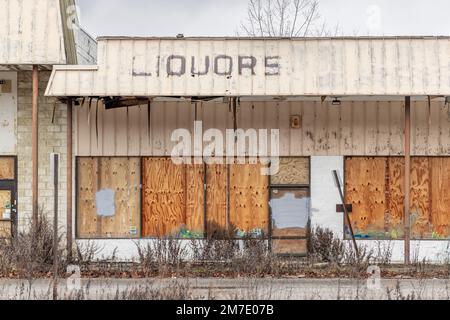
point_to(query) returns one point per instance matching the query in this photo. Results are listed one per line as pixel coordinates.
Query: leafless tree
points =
(284, 18)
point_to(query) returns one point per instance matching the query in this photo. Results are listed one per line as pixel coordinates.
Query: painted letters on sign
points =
(219, 65)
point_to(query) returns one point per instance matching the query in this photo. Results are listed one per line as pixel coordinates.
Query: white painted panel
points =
(284, 67)
(8, 116)
(126, 250)
(325, 195)
(371, 128)
(31, 32)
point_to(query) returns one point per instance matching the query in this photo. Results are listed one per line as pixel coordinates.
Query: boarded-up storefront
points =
(374, 187)
(327, 99)
(192, 201)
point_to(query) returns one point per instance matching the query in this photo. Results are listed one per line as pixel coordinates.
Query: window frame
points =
(286, 187)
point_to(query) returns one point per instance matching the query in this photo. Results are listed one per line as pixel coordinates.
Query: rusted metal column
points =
(69, 178)
(407, 179)
(35, 146)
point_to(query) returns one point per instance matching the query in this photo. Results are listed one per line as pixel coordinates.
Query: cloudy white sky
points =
(223, 17)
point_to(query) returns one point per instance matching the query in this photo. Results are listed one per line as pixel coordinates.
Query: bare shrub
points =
(31, 252)
(325, 247)
(162, 254)
(253, 257)
(86, 253)
(219, 246)
(174, 291)
(397, 294)
(383, 254)
(218, 250)
(358, 262)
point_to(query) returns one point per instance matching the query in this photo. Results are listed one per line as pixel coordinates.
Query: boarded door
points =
(108, 198)
(7, 196)
(5, 204)
(290, 205)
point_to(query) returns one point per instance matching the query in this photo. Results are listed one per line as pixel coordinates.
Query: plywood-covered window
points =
(375, 188)
(108, 198)
(290, 206)
(237, 200)
(172, 199)
(249, 200)
(189, 201)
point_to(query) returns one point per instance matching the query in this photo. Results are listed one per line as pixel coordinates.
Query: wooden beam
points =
(407, 179)
(69, 178)
(35, 145)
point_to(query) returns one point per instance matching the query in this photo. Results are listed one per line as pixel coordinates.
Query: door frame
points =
(286, 187)
(11, 185)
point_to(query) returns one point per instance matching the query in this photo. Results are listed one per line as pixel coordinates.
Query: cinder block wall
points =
(52, 138)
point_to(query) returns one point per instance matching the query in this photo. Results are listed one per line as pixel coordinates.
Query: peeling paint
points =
(162, 67)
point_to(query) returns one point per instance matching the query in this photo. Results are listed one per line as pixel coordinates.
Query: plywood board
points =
(421, 198)
(249, 199)
(217, 200)
(164, 197)
(440, 197)
(365, 189)
(7, 168)
(173, 199)
(121, 177)
(87, 186)
(394, 197)
(293, 171)
(195, 205)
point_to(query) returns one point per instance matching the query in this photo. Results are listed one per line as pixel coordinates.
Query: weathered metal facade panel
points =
(262, 67)
(31, 32)
(86, 47)
(8, 113)
(355, 128)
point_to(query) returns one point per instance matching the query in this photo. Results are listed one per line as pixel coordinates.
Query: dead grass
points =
(31, 252)
(30, 256)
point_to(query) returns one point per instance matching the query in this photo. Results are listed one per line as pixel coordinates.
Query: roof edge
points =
(102, 38)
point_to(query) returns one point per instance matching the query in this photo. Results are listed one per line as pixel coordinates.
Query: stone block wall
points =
(52, 138)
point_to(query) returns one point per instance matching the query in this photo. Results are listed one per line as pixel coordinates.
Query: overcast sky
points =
(223, 17)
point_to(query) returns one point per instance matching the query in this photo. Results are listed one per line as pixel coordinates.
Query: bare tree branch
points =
(284, 18)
